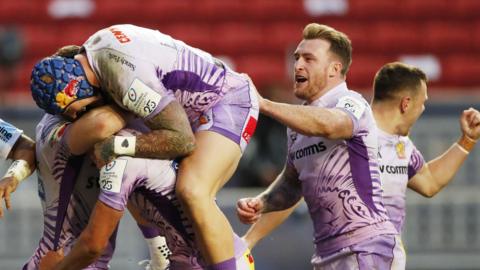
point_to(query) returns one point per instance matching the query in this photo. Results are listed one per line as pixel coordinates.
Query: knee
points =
(193, 195)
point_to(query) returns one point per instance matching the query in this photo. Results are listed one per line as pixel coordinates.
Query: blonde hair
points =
(340, 44)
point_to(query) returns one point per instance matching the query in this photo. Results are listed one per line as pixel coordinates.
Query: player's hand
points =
(104, 152)
(7, 186)
(261, 100)
(249, 210)
(51, 259)
(470, 123)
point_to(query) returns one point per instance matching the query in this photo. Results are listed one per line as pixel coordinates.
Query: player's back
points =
(143, 70)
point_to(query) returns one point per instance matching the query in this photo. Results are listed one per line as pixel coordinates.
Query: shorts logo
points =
(204, 119)
(249, 129)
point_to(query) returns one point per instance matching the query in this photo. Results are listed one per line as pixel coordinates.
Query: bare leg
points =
(200, 176)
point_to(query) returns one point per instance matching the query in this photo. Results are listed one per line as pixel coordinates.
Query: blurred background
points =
(258, 37)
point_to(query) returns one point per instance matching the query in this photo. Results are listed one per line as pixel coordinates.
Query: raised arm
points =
(438, 172)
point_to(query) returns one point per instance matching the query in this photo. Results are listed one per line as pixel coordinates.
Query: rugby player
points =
(148, 185)
(153, 76)
(20, 148)
(332, 160)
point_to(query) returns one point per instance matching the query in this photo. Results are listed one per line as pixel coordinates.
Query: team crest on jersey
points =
(400, 149)
(57, 133)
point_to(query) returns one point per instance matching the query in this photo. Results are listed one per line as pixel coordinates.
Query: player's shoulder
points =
(50, 129)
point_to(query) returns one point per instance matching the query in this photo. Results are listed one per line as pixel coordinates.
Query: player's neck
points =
(387, 119)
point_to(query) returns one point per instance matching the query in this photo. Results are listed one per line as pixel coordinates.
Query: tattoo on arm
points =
(284, 192)
(171, 135)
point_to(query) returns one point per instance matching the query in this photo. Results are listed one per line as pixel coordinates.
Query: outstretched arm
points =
(438, 172)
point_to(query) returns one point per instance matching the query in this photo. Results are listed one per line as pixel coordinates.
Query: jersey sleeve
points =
(9, 135)
(117, 181)
(355, 108)
(415, 163)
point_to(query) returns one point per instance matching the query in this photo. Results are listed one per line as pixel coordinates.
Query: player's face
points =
(79, 107)
(312, 63)
(418, 105)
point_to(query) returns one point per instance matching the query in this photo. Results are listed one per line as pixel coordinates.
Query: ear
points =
(405, 104)
(335, 69)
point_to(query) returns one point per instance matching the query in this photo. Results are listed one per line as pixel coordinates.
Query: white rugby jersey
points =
(143, 70)
(399, 161)
(59, 171)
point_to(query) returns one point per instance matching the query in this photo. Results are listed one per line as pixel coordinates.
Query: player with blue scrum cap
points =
(172, 86)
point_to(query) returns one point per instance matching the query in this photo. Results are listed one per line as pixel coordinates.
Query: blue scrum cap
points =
(56, 82)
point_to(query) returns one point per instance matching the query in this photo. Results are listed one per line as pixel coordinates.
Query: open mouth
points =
(300, 79)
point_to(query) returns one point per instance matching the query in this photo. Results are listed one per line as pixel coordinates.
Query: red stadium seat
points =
(196, 35)
(461, 70)
(41, 40)
(445, 37)
(363, 69)
(219, 10)
(237, 38)
(401, 37)
(426, 9)
(281, 37)
(264, 70)
(374, 9)
(463, 9)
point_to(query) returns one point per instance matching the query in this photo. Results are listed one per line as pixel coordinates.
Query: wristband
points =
(124, 146)
(466, 144)
(19, 170)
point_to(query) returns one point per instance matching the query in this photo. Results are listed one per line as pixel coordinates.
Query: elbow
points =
(92, 248)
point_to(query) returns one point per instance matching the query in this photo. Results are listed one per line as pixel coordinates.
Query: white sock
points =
(159, 252)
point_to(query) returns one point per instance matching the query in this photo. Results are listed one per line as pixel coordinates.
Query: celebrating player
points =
(332, 160)
(150, 74)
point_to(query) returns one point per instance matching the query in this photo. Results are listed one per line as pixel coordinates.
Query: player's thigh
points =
(205, 170)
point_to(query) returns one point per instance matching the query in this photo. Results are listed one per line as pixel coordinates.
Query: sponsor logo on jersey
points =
(390, 169)
(119, 35)
(5, 135)
(121, 60)
(308, 151)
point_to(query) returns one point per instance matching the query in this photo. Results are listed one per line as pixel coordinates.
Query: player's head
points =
(58, 82)
(402, 87)
(322, 59)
